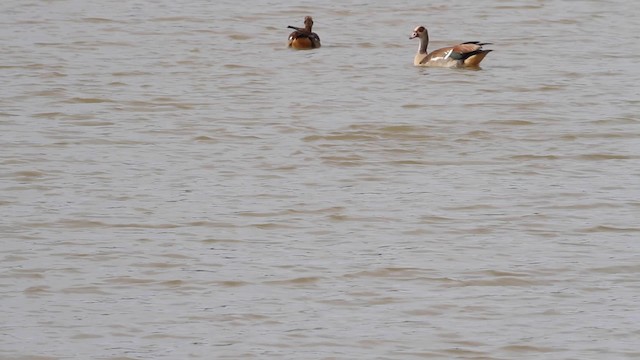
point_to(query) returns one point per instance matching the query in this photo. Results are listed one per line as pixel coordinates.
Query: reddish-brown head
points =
(308, 22)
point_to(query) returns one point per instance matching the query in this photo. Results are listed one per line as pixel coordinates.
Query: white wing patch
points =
(447, 54)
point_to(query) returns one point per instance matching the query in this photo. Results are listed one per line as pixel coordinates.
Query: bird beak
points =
(413, 36)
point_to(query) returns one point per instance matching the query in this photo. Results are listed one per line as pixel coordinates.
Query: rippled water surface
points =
(177, 184)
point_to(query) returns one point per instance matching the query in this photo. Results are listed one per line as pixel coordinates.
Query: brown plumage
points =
(468, 54)
(304, 38)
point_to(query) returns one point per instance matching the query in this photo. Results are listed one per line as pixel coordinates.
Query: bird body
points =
(304, 38)
(465, 55)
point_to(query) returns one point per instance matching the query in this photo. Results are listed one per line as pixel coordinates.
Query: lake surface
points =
(178, 184)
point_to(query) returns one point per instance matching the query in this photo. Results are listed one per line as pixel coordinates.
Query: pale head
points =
(419, 32)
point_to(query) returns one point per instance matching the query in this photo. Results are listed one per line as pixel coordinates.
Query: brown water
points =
(177, 184)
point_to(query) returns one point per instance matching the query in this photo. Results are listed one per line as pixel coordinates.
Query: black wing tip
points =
(478, 43)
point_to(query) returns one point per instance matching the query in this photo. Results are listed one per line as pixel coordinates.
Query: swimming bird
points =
(466, 55)
(304, 38)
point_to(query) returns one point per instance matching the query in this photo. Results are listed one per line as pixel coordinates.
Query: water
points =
(177, 184)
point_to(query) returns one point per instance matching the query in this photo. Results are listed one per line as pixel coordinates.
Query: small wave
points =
(79, 100)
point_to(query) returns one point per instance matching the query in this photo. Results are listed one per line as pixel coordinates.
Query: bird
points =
(304, 38)
(465, 55)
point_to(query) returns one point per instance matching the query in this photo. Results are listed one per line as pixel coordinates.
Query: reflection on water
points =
(178, 184)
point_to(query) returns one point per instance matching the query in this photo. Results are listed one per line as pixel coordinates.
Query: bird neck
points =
(424, 42)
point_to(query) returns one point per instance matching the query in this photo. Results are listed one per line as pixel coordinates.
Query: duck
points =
(304, 38)
(465, 55)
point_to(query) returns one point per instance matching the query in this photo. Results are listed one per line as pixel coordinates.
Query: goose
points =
(465, 55)
(304, 38)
